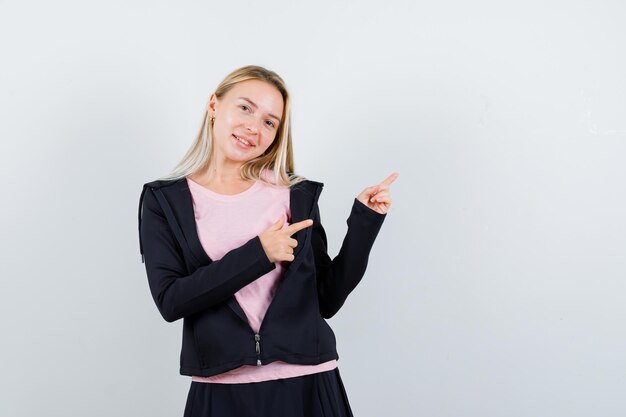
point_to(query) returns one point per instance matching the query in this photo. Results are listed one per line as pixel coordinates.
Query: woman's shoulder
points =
(301, 179)
(160, 183)
(308, 181)
(268, 175)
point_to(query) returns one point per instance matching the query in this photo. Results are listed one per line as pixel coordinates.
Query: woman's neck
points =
(223, 170)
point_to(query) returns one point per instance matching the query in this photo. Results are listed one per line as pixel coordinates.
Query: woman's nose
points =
(253, 126)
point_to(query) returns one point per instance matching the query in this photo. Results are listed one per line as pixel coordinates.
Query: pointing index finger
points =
(295, 227)
(387, 182)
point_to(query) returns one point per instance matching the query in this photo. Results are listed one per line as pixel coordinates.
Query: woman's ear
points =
(210, 107)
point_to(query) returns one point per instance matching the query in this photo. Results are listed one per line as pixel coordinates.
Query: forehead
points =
(264, 95)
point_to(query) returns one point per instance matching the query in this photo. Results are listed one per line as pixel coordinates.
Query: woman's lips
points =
(241, 144)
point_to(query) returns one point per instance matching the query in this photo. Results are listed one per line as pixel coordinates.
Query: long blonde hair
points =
(278, 157)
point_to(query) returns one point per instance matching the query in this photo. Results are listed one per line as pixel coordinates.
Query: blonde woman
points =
(233, 245)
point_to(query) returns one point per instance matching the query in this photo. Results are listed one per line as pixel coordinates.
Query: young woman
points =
(233, 244)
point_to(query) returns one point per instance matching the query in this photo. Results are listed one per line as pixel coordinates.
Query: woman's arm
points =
(337, 278)
(178, 294)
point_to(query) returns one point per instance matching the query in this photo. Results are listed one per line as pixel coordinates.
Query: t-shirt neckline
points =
(224, 197)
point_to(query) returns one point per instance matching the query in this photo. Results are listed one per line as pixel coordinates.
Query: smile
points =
(241, 140)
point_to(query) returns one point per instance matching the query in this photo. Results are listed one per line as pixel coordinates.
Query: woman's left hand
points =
(378, 197)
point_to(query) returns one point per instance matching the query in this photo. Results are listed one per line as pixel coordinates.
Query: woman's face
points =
(246, 120)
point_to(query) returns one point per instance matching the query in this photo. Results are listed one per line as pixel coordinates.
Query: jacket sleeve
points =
(337, 278)
(178, 294)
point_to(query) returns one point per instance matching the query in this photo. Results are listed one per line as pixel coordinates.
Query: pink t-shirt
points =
(225, 222)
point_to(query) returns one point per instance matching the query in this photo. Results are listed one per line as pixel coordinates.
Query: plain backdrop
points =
(496, 286)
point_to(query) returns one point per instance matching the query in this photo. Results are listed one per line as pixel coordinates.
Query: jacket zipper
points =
(257, 339)
(257, 336)
(318, 191)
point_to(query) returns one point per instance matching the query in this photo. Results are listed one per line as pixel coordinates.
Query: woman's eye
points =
(243, 106)
(271, 124)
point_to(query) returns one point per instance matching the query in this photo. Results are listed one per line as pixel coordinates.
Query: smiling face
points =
(246, 120)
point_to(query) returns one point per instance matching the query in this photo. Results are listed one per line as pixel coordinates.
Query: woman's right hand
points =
(277, 241)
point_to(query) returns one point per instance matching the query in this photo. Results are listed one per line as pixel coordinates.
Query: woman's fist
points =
(277, 241)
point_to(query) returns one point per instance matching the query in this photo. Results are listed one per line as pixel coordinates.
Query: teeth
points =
(243, 140)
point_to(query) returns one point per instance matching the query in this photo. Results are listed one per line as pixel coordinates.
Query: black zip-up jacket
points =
(186, 283)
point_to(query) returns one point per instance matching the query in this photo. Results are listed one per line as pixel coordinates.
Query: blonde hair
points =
(278, 157)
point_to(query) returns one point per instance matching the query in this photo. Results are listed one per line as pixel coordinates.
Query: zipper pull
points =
(257, 339)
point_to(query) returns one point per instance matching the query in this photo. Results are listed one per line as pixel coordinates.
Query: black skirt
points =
(316, 395)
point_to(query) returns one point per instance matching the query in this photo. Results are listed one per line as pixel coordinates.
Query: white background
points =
(496, 286)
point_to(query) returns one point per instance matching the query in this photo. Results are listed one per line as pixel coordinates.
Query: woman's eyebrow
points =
(256, 107)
